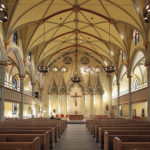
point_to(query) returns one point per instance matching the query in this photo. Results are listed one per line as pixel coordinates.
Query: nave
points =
(76, 137)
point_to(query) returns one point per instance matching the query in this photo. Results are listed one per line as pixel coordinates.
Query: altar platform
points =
(76, 117)
(76, 122)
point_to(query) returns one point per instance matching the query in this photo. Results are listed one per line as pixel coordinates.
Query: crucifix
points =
(75, 96)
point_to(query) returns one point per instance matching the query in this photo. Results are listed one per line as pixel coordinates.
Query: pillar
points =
(33, 103)
(2, 90)
(110, 101)
(130, 98)
(91, 104)
(33, 89)
(118, 99)
(148, 90)
(22, 96)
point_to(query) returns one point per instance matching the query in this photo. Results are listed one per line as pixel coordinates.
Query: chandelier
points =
(43, 69)
(110, 69)
(3, 13)
(76, 78)
(146, 12)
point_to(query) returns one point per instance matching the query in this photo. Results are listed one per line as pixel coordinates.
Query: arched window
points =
(136, 84)
(29, 56)
(63, 69)
(15, 38)
(123, 56)
(15, 84)
(54, 69)
(136, 37)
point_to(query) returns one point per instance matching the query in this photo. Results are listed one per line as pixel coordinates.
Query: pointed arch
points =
(3, 56)
(137, 56)
(32, 72)
(19, 59)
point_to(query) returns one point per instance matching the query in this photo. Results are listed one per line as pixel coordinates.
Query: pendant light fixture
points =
(109, 68)
(43, 68)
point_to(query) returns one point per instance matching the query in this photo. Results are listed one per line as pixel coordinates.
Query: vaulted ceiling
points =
(50, 28)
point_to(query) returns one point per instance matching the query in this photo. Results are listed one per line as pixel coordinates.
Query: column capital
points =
(129, 75)
(6, 43)
(147, 63)
(21, 76)
(3, 64)
(33, 83)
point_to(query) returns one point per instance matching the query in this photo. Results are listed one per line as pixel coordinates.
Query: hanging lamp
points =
(43, 68)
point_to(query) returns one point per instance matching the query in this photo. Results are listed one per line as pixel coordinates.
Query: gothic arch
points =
(139, 51)
(32, 72)
(3, 57)
(19, 59)
(79, 84)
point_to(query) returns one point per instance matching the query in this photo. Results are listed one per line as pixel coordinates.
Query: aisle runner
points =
(76, 137)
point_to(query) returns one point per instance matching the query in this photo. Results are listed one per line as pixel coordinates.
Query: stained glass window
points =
(136, 84)
(15, 38)
(15, 84)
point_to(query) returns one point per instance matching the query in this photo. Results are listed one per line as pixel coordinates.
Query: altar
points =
(75, 117)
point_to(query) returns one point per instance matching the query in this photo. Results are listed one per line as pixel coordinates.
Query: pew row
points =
(121, 144)
(27, 138)
(35, 132)
(101, 131)
(33, 145)
(108, 136)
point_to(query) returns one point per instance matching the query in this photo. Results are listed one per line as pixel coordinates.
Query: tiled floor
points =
(76, 137)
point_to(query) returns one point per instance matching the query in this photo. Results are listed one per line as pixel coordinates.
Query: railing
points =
(136, 96)
(10, 86)
(144, 85)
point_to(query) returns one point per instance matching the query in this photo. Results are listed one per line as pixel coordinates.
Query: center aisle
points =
(76, 137)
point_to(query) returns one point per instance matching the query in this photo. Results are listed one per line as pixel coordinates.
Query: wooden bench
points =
(129, 145)
(34, 145)
(36, 132)
(134, 138)
(52, 133)
(107, 135)
(101, 130)
(26, 138)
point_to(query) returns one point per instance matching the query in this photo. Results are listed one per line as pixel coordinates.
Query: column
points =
(33, 103)
(110, 101)
(91, 104)
(22, 96)
(101, 105)
(33, 89)
(50, 104)
(68, 104)
(59, 104)
(130, 99)
(2, 90)
(85, 110)
(118, 99)
(148, 90)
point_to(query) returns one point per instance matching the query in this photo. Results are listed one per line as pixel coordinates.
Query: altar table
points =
(76, 117)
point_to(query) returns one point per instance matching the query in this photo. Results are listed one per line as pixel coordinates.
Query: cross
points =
(75, 96)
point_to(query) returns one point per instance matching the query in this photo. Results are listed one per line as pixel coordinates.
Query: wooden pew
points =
(129, 145)
(26, 138)
(101, 130)
(34, 145)
(13, 131)
(107, 135)
(52, 134)
(134, 138)
(115, 123)
(35, 125)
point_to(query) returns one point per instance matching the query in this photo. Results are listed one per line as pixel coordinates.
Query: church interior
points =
(75, 62)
